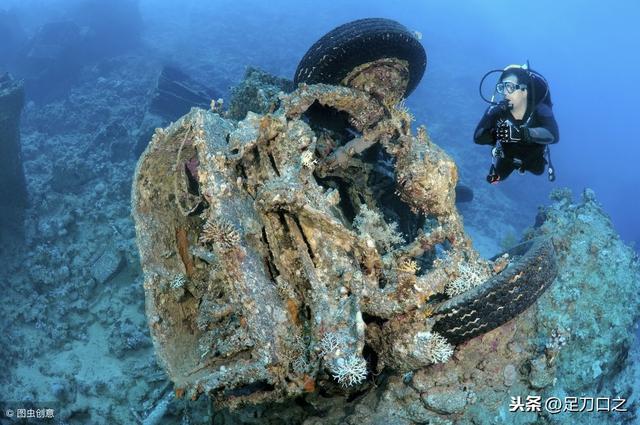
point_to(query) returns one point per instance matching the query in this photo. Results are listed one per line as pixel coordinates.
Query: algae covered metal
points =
(310, 245)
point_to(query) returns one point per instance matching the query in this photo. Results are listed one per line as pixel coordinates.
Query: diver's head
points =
(514, 86)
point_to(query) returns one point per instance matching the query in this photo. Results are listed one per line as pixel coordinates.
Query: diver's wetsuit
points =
(542, 130)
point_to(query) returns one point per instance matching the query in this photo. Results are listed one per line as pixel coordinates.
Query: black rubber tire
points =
(502, 297)
(344, 48)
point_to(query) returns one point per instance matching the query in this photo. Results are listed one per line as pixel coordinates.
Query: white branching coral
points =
(328, 343)
(178, 281)
(370, 224)
(469, 275)
(350, 371)
(331, 341)
(177, 286)
(308, 159)
(434, 347)
(221, 232)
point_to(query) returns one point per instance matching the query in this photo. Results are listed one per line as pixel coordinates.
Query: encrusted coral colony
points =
(284, 240)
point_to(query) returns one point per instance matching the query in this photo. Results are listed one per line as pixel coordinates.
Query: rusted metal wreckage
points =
(313, 245)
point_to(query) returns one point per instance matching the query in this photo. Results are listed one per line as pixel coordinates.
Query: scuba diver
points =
(521, 126)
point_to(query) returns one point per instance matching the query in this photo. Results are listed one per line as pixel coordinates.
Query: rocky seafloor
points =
(74, 334)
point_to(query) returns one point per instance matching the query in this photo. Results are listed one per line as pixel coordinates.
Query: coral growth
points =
(307, 159)
(371, 225)
(329, 343)
(468, 276)
(220, 232)
(436, 347)
(408, 266)
(349, 371)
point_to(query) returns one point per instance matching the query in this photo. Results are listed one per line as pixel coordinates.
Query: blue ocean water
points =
(584, 49)
(89, 66)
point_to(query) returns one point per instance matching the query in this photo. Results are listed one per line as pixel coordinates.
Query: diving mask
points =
(509, 87)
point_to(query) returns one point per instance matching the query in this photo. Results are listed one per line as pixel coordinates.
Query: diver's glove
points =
(509, 133)
(497, 152)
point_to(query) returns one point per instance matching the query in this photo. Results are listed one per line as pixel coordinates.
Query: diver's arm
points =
(540, 135)
(547, 132)
(484, 134)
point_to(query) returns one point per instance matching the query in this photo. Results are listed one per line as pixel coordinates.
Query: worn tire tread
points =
(499, 299)
(344, 48)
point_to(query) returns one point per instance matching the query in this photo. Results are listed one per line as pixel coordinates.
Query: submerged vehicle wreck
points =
(307, 247)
